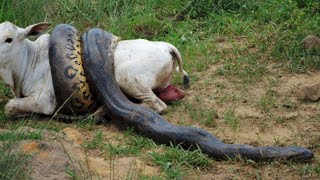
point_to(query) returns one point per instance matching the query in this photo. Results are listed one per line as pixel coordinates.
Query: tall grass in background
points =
(23, 12)
(275, 27)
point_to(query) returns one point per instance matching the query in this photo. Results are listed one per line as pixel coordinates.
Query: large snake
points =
(98, 63)
(70, 83)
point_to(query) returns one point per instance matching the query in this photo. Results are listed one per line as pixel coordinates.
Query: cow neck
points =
(19, 66)
(24, 69)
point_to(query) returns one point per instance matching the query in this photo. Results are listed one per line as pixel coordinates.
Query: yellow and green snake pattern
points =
(69, 80)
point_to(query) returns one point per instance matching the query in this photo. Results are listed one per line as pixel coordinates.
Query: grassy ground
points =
(236, 53)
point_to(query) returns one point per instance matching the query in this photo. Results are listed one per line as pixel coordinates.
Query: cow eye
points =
(9, 40)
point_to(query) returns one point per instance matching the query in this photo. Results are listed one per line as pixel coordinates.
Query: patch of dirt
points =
(59, 153)
(247, 110)
(311, 42)
(280, 109)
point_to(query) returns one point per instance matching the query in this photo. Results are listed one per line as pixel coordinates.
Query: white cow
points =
(24, 67)
(140, 67)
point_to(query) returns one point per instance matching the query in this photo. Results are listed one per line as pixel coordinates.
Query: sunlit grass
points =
(256, 33)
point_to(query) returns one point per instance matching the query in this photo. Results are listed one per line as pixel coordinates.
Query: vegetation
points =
(244, 43)
(13, 164)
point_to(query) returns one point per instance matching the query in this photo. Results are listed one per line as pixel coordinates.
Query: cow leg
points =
(28, 105)
(148, 98)
(152, 101)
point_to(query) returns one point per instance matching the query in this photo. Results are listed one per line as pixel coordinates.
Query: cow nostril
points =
(8, 40)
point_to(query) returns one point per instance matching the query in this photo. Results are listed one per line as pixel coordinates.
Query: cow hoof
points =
(157, 106)
(10, 109)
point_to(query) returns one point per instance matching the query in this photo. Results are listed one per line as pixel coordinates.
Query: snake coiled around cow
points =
(70, 84)
(98, 63)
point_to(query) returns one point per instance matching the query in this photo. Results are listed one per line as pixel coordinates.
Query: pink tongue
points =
(171, 93)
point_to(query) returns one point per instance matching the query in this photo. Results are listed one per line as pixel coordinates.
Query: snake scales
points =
(97, 60)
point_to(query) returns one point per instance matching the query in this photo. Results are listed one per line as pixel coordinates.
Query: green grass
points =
(258, 34)
(18, 136)
(205, 116)
(309, 169)
(172, 160)
(128, 144)
(12, 163)
(176, 159)
(231, 118)
(266, 102)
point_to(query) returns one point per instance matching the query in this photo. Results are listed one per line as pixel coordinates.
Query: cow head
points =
(12, 39)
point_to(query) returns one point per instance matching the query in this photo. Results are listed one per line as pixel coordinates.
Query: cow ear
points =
(35, 29)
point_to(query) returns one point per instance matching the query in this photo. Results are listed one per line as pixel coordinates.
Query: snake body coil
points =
(98, 63)
(69, 81)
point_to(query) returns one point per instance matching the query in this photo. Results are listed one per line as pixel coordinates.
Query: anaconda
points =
(98, 46)
(70, 84)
